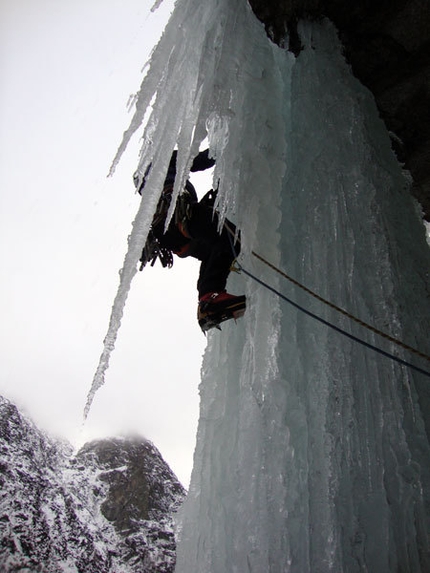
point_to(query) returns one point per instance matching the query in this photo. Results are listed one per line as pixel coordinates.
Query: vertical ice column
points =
(311, 452)
(351, 233)
(232, 500)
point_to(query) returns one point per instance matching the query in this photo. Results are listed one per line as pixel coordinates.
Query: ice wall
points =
(311, 452)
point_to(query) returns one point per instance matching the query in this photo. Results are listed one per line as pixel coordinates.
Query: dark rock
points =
(141, 486)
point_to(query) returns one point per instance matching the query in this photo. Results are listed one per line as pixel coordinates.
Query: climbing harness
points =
(236, 266)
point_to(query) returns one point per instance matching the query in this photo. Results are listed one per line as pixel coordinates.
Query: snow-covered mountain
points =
(106, 509)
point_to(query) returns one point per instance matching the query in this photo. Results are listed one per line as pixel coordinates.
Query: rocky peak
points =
(141, 486)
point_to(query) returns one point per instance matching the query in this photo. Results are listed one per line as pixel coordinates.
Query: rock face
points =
(107, 509)
(388, 46)
(139, 482)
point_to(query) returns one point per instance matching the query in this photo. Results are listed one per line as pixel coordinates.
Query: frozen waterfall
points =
(312, 453)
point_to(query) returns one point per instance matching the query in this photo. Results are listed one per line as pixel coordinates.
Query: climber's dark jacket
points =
(177, 237)
(193, 230)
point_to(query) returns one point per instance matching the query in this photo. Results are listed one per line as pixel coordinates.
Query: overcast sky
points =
(68, 68)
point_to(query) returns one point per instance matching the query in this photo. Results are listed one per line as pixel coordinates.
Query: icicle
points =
(136, 242)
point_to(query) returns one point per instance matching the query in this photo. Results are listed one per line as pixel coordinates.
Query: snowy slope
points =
(312, 452)
(62, 513)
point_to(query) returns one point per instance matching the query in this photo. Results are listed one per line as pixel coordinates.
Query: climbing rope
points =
(342, 311)
(239, 268)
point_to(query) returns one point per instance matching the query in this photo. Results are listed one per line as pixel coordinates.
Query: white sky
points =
(67, 69)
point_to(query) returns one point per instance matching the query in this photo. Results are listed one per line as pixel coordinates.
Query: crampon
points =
(216, 309)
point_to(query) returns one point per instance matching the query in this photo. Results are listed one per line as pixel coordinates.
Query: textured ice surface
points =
(311, 451)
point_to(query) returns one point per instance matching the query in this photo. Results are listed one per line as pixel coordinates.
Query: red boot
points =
(216, 307)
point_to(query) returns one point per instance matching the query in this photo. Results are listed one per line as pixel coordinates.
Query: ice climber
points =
(193, 232)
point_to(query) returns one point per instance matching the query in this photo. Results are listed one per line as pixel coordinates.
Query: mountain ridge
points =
(107, 508)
